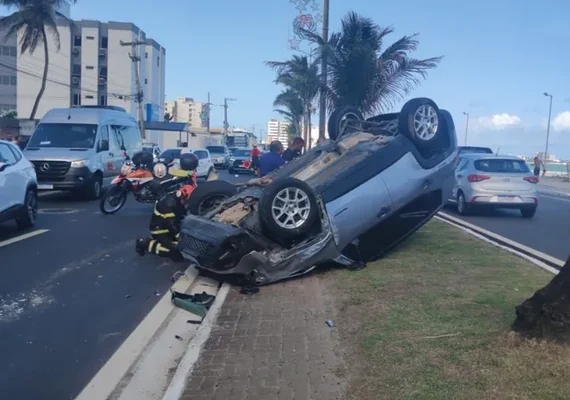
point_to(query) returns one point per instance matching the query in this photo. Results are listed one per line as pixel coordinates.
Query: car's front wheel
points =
(288, 208)
(528, 212)
(29, 214)
(420, 121)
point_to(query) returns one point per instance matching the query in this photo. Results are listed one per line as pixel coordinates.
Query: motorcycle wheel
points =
(113, 200)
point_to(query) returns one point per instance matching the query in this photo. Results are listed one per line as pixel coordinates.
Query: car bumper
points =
(506, 200)
(74, 178)
(227, 250)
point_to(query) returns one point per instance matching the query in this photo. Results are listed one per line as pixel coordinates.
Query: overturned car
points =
(348, 200)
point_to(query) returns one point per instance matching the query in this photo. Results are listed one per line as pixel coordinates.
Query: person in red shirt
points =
(255, 157)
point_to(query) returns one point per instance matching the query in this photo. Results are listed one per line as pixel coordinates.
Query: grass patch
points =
(432, 321)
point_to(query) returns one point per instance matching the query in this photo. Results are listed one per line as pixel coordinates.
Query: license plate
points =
(506, 199)
(45, 186)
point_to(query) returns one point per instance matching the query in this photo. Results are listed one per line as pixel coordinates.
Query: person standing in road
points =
(294, 149)
(255, 155)
(537, 164)
(271, 160)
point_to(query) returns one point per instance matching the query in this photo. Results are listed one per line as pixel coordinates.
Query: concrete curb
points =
(178, 383)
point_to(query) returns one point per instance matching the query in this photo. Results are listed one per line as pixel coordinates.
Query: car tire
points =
(421, 122)
(274, 196)
(462, 206)
(337, 120)
(94, 188)
(29, 214)
(528, 212)
(209, 191)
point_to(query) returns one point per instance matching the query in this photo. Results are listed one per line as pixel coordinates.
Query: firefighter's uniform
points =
(165, 225)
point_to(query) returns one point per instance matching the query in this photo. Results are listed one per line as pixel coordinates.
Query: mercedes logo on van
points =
(44, 167)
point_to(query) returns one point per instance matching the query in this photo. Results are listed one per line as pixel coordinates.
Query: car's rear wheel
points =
(420, 120)
(462, 206)
(29, 214)
(343, 121)
(528, 212)
(288, 208)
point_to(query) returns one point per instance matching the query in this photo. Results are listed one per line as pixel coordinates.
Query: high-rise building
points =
(91, 67)
(277, 130)
(185, 109)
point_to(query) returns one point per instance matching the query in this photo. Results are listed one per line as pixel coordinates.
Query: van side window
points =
(117, 132)
(104, 136)
(132, 137)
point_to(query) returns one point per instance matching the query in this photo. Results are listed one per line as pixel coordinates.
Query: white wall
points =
(30, 71)
(121, 71)
(89, 66)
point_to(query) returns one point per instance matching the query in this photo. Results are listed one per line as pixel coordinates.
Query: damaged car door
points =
(359, 210)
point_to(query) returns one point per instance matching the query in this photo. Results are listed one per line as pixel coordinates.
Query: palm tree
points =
(34, 19)
(364, 74)
(291, 108)
(302, 77)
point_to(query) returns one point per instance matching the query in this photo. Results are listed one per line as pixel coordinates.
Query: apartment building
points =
(93, 68)
(8, 76)
(277, 130)
(185, 109)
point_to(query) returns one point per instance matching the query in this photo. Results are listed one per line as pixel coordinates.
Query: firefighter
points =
(167, 216)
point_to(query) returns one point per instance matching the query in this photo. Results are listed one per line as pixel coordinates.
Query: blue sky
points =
(500, 56)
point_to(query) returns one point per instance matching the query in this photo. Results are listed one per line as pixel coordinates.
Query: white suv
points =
(18, 187)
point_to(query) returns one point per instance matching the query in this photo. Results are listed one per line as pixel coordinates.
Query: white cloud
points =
(496, 122)
(562, 121)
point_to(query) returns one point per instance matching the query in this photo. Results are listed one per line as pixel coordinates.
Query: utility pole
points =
(324, 69)
(466, 126)
(548, 128)
(208, 109)
(136, 60)
(226, 124)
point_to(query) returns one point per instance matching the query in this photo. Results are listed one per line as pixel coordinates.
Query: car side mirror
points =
(3, 166)
(103, 145)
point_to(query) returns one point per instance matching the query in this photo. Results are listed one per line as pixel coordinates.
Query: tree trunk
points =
(305, 126)
(309, 135)
(547, 313)
(44, 77)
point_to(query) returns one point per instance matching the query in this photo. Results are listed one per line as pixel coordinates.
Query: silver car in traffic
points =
(494, 181)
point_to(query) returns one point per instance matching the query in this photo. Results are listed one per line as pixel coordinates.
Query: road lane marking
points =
(23, 237)
(509, 242)
(111, 374)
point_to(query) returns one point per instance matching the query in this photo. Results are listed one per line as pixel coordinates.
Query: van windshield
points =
(68, 136)
(216, 149)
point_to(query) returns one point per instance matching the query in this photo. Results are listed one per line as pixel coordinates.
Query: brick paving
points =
(272, 345)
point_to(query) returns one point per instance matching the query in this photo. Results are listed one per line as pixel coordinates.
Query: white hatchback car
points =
(205, 163)
(18, 187)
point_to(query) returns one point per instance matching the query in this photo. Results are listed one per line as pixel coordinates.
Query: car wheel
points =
(344, 121)
(462, 206)
(528, 212)
(209, 195)
(93, 191)
(420, 120)
(29, 214)
(288, 208)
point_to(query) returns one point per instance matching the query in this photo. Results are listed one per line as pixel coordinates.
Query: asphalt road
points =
(548, 231)
(71, 295)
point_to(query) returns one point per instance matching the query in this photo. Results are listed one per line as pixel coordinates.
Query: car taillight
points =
(477, 178)
(531, 179)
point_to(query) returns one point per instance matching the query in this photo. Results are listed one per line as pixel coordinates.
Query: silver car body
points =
(220, 155)
(238, 156)
(495, 181)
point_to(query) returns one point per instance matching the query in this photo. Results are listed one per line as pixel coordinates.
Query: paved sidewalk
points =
(556, 185)
(272, 345)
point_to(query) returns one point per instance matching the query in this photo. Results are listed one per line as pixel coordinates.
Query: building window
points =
(89, 67)
(13, 81)
(145, 81)
(146, 54)
(102, 101)
(13, 51)
(76, 100)
(103, 72)
(5, 50)
(90, 37)
(77, 40)
(5, 80)
(76, 69)
(89, 97)
(104, 42)
(158, 61)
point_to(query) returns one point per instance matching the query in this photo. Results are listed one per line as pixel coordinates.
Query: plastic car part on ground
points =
(197, 304)
(348, 201)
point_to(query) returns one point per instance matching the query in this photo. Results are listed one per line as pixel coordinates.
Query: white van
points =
(79, 148)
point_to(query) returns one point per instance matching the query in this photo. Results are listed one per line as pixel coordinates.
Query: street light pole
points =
(548, 127)
(324, 69)
(466, 126)
(226, 124)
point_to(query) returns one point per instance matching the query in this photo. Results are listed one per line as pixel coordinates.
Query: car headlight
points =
(80, 163)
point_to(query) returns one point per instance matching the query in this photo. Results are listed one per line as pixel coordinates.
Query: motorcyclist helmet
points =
(159, 170)
(188, 162)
